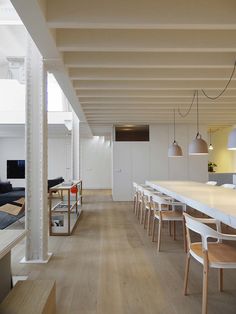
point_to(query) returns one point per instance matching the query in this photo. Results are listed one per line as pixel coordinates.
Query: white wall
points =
(75, 148)
(95, 163)
(141, 161)
(59, 159)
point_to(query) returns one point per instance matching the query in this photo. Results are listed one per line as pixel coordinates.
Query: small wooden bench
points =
(31, 296)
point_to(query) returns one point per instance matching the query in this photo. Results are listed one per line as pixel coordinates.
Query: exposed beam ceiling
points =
(134, 61)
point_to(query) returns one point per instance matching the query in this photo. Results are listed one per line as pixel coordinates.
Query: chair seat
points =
(218, 254)
(170, 215)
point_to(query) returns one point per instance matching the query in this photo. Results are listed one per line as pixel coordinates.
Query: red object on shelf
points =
(74, 189)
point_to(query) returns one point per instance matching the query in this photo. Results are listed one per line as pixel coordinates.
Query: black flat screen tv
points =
(15, 169)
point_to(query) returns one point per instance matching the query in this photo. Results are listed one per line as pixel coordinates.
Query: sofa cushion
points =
(53, 182)
(11, 197)
(5, 187)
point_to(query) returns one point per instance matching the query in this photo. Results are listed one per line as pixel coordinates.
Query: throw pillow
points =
(5, 187)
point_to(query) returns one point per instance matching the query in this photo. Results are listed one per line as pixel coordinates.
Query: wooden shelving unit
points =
(63, 216)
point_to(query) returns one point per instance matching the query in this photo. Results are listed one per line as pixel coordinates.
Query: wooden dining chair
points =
(211, 182)
(147, 206)
(229, 186)
(210, 254)
(135, 196)
(144, 202)
(165, 210)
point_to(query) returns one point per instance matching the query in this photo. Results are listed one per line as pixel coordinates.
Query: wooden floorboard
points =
(110, 266)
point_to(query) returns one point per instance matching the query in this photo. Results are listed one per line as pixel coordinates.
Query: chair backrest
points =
(148, 193)
(160, 200)
(229, 186)
(211, 182)
(199, 227)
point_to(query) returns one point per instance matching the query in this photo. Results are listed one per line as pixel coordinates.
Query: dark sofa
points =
(53, 182)
(8, 194)
(12, 196)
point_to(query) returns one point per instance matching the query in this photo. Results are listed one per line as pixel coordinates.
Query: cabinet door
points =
(140, 162)
(122, 171)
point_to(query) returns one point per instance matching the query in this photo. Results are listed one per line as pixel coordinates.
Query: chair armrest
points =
(207, 220)
(229, 237)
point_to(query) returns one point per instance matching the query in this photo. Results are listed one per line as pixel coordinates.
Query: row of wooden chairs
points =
(151, 205)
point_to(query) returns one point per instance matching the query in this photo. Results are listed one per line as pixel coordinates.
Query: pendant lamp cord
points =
(197, 114)
(174, 125)
(224, 89)
(184, 115)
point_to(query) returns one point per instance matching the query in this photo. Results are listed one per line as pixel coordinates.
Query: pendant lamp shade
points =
(210, 147)
(198, 146)
(232, 140)
(175, 150)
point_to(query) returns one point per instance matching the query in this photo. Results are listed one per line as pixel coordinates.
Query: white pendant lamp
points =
(232, 140)
(174, 149)
(210, 147)
(198, 146)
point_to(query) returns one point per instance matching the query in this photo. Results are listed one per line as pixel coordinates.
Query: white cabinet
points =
(130, 163)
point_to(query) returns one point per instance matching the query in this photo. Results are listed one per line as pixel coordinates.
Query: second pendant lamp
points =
(198, 146)
(174, 149)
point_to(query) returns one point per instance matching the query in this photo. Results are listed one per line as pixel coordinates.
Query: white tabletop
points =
(9, 239)
(215, 201)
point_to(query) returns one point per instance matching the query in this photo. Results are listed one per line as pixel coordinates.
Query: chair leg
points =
(134, 204)
(138, 210)
(174, 229)
(145, 219)
(169, 225)
(141, 213)
(205, 284)
(153, 229)
(148, 221)
(220, 279)
(159, 236)
(186, 273)
(184, 237)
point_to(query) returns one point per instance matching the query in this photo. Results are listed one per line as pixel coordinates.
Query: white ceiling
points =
(133, 61)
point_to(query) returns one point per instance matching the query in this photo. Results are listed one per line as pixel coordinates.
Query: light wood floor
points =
(110, 266)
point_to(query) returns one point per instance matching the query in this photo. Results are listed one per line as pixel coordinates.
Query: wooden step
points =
(31, 296)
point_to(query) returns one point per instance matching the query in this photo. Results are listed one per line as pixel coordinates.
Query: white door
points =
(122, 171)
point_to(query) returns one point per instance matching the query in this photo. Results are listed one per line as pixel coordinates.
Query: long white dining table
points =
(216, 201)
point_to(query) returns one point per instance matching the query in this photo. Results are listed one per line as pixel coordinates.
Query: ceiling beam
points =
(142, 14)
(94, 93)
(149, 74)
(146, 40)
(152, 60)
(153, 100)
(152, 85)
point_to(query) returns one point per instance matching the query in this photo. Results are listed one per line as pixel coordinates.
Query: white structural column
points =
(36, 158)
(75, 148)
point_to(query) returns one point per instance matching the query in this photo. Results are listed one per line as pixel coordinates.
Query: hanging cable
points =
(225, 88)
(197, 114)
(184, 115)
(174, 125)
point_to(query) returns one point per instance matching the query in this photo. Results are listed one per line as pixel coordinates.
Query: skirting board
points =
(37, 261)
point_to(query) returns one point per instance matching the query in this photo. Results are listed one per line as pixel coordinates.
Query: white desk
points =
(8, 239)
(215, 201)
